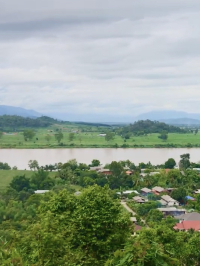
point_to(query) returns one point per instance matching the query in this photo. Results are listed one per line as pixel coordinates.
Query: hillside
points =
(13, 121)
(12, 110)
(181, 121)
(147, 126)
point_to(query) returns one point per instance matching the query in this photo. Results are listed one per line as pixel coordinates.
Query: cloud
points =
(116, 58)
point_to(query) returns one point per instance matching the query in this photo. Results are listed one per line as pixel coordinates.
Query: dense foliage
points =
(91, 227)
(13, 121)
(147, 126)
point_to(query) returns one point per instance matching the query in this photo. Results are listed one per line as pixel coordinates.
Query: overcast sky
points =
(105, 58)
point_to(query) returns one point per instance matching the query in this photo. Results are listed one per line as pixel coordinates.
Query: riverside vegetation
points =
(45, 132)
(90, 227)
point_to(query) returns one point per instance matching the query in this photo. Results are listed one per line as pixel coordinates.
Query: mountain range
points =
(12, 110)
(167, 116)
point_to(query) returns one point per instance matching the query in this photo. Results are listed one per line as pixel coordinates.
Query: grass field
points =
(6, 177)
(91, 139)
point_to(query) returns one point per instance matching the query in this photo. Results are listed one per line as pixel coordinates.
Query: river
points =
(20, 157)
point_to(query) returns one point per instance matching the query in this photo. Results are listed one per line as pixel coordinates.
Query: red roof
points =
(186, 225)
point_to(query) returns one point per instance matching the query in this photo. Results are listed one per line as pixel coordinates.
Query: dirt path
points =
(127, 208)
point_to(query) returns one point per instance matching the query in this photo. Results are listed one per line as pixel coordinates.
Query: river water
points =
(20, 157)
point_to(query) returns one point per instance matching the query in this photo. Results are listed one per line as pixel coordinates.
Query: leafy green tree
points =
(28, 134)
(185, 161)
(33, 164)
(95, 162)
(163, 135)
(73, 230)
(109, 136)
(179, 194)
(20, 183)
(41, 180)
(170, 163)
(47, 137)
(59, 136)
(116, 168)
(71, 136)
(4, 166)
(154, 216)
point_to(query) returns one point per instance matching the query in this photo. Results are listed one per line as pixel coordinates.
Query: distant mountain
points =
(166, 115)
(11, 110)
(181, 121)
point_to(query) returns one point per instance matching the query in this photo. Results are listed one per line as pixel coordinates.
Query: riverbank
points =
(93, 140)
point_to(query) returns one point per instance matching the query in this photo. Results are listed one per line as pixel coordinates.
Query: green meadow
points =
(88, 137)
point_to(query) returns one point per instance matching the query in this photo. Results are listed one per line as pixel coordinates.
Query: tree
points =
(170, 163)
(1, 134)
(196, 131)
(19, 183)
(59, 136)
(95, 162)
(41, 180)
(28, 134)
(71, 136)
(47, 137)
(4, 166)
(185, 161)
(73, 230)
(116, 168)
(179, 194)
(154, 216)
(109, 136)
(163, 135)
(33, 164)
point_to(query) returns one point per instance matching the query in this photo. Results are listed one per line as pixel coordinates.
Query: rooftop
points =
(159, 189)
(41, 191)
(193, 216)
(187, 225)
(146, 190)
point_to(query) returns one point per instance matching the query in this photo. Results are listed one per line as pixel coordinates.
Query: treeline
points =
(13, 121)
(147, 126)
(89, 228)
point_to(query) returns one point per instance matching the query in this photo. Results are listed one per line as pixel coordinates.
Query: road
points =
(127, 208)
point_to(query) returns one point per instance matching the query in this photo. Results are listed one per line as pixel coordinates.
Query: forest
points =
(143, 127)
(81, 220)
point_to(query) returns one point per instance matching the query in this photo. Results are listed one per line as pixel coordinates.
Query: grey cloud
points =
(102, 57)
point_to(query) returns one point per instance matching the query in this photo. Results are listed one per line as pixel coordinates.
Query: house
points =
(157, 190)
(169, 190)
(127, 192)
(169, 200)
(171, 211)
(105, 171)
(133, 219)
(192, 216)
(154, 173)
(196, 169)
(190, 198)
(197, 191)
(139, 199)
(96, 168)
(102, 135)
(162, 202)
(145, 191)
(129, 172)
(41, 191)
(187, 225)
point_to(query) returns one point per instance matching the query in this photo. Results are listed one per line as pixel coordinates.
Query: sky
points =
(105, 60)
